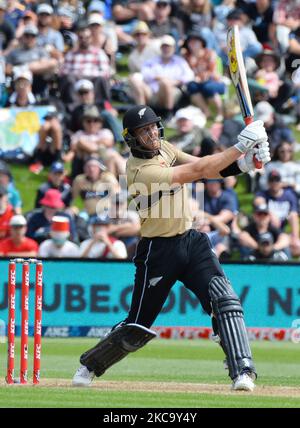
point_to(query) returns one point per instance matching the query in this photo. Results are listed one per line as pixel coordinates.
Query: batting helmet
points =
(138, 117)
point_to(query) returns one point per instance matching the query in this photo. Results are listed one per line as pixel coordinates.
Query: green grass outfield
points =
(164, 374)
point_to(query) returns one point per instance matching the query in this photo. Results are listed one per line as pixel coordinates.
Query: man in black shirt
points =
(55, 181)
(253, 236)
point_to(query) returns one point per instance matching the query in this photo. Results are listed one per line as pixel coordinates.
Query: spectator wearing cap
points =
(207, 84)
(34, 57)
(261, 225)
(22, 95)
(145, 47)
(163, 23)
(283, 206)
(109, 28)
(102, 245)
(7, 30)
(283, 162)
(276, 130)
(191, 135)
(163, 78)
(95, 140)
(86, 97)
(50, 143)
(59, 245)
(29, 18)
(125, 222)
(95, 186)
(6, 181)
(56, 180)
(6, 213)
(66, 18)
(265, 250)
(102, 38)
(17, 244)
(39, 220)
(85, 62)
(49, 38)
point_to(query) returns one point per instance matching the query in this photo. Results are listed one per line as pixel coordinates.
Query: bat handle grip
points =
(258, 164)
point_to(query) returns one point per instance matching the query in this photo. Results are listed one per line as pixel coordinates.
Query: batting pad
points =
(115, 346)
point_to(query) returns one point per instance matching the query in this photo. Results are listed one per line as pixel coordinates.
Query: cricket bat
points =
(239, 77)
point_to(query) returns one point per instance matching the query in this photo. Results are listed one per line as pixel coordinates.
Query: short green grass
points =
(160, 361)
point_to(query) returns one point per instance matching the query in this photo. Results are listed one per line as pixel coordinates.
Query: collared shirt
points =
(175, 69)
(164, 210)
(92, 62)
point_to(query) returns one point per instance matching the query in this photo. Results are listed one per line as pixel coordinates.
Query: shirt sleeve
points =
(151, 175)
(181, 157)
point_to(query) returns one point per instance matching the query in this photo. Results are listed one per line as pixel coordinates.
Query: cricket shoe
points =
(244, 382)
(83, 377)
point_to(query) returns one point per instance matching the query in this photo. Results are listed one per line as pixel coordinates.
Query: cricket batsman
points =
(170, 250)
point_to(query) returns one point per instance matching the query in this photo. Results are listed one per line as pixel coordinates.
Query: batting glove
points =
(251, 136)
(262, 154)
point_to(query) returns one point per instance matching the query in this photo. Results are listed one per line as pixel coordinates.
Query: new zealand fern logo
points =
(142, 112)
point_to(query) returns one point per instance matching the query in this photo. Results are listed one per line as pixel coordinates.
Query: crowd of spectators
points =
(66, 54)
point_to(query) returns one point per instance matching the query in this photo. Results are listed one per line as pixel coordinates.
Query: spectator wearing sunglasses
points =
(96, 140)
(85, 93)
